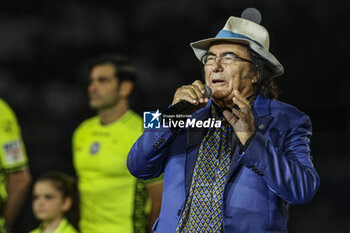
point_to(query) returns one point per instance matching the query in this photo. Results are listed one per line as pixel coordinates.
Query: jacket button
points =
(179, 212)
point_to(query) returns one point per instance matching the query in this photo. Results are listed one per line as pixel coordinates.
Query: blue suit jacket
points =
(275, 169)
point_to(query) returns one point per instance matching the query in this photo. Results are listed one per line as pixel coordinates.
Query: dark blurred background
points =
(45, 47)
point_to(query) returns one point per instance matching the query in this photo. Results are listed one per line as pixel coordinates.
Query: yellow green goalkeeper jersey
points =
(12, 152)
(110, 200)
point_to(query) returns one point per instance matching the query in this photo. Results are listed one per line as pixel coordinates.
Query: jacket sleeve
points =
(286, 168)
(147, 156)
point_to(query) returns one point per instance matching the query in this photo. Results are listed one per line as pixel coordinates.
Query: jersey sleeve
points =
(12, 151)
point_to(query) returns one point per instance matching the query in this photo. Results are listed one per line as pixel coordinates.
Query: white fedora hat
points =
(242, 31)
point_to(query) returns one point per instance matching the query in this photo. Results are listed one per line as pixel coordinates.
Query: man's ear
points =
(255, 78)
(126, 88)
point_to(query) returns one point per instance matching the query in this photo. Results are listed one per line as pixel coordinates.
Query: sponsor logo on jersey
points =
(13, 152)
(94, 148)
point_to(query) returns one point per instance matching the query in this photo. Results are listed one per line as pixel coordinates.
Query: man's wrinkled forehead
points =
(226, 46)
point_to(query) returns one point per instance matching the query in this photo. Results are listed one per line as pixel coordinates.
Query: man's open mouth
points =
(217, 81)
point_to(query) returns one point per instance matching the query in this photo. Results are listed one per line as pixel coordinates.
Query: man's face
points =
(225, 79)
(103, 87)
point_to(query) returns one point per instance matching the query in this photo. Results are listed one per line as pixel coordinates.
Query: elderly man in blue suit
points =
(241, 176)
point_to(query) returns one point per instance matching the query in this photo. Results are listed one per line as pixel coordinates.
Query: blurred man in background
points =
(112, 200)
(14, 173)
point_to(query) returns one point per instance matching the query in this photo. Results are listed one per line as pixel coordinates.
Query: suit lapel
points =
(262, 113)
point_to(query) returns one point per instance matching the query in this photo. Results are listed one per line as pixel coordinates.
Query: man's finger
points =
(241, 104)
(200, 86)
(185, 93)
(241, 98)
(238, 113)
(229, 117)
(191, 91)
(199, 93)
(245, 90)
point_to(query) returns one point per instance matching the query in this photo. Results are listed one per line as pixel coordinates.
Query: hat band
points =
(228, 34)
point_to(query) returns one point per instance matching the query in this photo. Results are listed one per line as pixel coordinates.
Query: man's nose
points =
(92, 87)
(217, 66)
